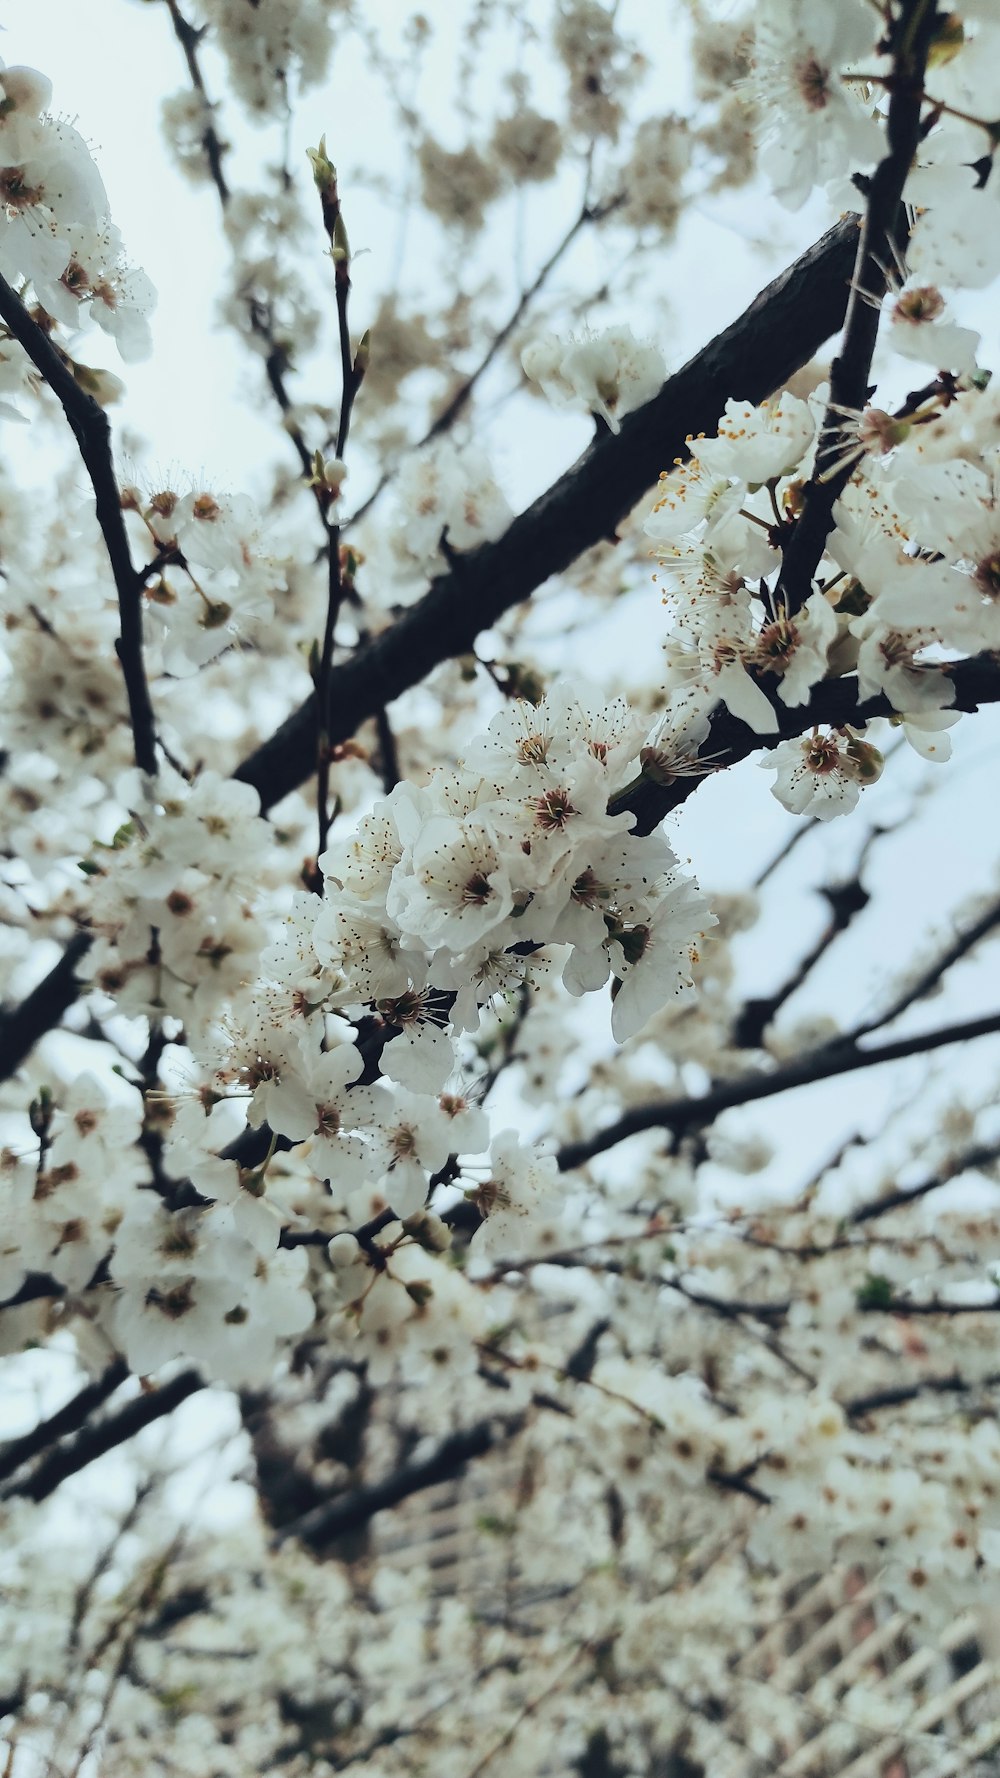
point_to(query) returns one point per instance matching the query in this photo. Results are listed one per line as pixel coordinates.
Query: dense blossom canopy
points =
(373, 1055)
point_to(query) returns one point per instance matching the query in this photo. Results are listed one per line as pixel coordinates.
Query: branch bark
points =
(833, 703)
(349, 1511)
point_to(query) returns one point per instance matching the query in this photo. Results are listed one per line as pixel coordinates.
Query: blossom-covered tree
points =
(390, 1095)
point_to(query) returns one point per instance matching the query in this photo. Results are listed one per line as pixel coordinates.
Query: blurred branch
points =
(189, 38)
(969, 1161)
(845, 901)
(258, 313)
(22, 1026)
(458, 402)
(898, 1395)
(928, 979)
(349, 1511)
(15, 1452)
(106, 1435)
(841, 1057)
(92, 431)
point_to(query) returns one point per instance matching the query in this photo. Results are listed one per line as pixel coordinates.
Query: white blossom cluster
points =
(55, 229)
(608, 373)
(903, 590)
(453, 889)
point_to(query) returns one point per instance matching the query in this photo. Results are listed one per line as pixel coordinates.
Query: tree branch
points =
(899, 1394)
(22, 1026)
(883, 230)
(189, 38)
(92, 432)
(833, 703)
(778, 333)
(983, 1155)
(69, 1418)
(347, 1512)
(841, 1057)
(95, 1441)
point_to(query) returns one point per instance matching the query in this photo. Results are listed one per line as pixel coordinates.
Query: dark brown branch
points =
(901, 1305)
(22, 1026)
(832, 703)
(106, 1435)
(92, 431)
(928, 979)
(738, 1482)
(842, 1057)
(845, 901)
(901, 1393)
(778, 333)
(189, 38)
(349, 1511)
(973, 1158)
(883, 231)
(69, 1418)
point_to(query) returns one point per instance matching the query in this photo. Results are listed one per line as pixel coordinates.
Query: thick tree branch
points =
(22, 1026)
(92, 432)
(69, 1418)
(347, 1512)
(882, 234)
(106, 1435)
(842, 1057)
(778, 333)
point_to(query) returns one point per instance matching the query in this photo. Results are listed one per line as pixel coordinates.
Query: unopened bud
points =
(946, 41)
(428, 1231)
(341, 246)
(866, 760)
(323, 170)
